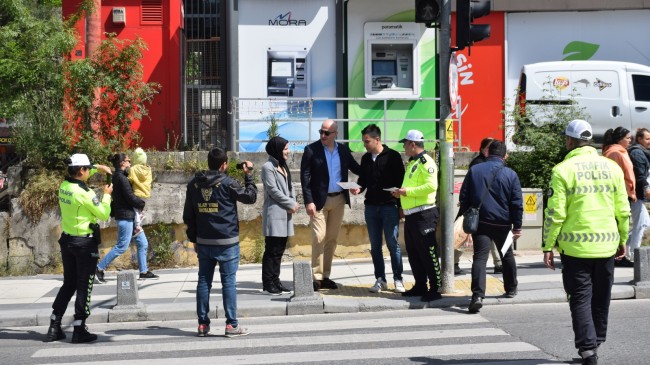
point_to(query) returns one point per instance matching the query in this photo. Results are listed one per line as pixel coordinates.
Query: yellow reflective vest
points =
(420, 182)
(587, 215)
(80, 206)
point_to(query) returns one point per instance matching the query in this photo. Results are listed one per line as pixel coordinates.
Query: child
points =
(140, 178)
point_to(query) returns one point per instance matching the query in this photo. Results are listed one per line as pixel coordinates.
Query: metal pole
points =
(446, 153)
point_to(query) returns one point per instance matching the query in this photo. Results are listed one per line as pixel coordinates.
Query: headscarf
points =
(274, 148)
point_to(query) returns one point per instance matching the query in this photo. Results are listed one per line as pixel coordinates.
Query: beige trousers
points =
(325, 227)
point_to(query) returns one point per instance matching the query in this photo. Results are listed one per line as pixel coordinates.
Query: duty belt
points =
(418, 209)
(89, 235)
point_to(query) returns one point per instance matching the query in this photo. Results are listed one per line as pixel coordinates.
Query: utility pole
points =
(446, 152)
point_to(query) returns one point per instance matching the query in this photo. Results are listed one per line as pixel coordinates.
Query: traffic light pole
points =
(446, 152)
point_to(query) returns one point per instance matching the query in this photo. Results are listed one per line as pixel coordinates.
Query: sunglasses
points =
(326, 133)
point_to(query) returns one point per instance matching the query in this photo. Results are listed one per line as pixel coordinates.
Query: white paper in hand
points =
(507, 244)
(349, 185)
(391, 189)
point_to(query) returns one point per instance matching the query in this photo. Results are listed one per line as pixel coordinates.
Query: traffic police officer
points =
(418, 197)
(587, 220)
(80, 210)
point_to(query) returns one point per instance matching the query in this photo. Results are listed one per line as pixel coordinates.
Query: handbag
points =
(470, 217)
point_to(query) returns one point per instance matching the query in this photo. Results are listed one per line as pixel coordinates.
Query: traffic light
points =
(427, 11)
(466, 12)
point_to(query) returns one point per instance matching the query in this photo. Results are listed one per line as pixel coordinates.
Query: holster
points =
(96, 233)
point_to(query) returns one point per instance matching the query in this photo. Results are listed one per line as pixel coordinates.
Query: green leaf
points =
(579, 51)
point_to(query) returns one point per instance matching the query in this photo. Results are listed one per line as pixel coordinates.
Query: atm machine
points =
(288, 73)
(391, 60)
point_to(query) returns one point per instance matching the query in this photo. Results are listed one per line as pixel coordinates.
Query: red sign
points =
(482, 84)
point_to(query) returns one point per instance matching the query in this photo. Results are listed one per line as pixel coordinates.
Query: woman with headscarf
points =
(279, 206)
(616, 142)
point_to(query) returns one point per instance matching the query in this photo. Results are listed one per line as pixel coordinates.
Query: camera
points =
(242, 165)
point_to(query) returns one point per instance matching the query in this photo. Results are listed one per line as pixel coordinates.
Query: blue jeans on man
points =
(384, 219)
(124, 237)
(227, 256)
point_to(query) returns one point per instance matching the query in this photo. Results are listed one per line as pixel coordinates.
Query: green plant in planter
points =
(161, 241)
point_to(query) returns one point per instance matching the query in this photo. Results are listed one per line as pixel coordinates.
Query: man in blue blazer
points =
(324, 164)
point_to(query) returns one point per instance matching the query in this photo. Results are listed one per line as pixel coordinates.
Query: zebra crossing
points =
(428, 336)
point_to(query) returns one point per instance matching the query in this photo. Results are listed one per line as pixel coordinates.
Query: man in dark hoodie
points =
(210, 214)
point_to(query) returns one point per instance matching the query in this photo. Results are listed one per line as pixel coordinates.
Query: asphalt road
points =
(502, 334)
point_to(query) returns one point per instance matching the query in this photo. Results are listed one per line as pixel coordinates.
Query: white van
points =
(611, 93)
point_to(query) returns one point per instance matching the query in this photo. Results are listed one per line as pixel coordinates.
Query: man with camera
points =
(210, 214)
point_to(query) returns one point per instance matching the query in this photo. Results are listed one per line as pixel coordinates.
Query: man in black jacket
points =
(381, 168)
(324, 164)
(210, 214)
(501, 210)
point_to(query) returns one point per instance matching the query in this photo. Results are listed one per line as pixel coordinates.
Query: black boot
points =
(81, 334)
(55, 333)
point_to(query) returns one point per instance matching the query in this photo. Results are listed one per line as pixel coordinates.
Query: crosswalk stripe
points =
(252, 342)
(313, 327)
(338, 355)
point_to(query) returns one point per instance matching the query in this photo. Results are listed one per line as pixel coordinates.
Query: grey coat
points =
(278, 199)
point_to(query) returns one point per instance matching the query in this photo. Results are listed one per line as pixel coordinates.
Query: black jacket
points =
(640, 157)
(314, 175)
(210, 211)
(387, 171)
(503, 205)
(123, 198)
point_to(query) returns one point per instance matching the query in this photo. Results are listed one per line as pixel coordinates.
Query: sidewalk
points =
(27, 301)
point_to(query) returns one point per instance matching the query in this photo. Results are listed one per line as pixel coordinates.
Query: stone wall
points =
(32, 249)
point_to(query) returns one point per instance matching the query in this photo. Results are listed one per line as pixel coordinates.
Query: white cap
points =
(79, 159)
(579, 129)
(413, 135)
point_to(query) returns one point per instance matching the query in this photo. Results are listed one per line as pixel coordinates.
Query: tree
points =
(539, 136)
(115, 69)
(33, 40)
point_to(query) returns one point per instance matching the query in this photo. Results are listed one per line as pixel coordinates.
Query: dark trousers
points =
(79, 264)
(482, 242)
(273, 250)
(588, 284)
(421, 246)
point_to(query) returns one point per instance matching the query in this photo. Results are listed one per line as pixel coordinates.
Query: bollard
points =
(642, 272)
(128, 307)
(304, 300)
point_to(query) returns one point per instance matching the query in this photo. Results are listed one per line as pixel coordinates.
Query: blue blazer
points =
(314, 175)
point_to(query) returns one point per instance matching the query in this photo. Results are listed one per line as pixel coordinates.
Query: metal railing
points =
(295, 109)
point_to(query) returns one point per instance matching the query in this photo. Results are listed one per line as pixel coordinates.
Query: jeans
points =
(641, 222)
(588, 284)
(482, 241)
(228, 259)
(124, 237)
(384, 219)
(79, 264)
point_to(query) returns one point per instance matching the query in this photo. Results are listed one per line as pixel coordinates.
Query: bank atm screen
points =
(281, 69)
(383, 67)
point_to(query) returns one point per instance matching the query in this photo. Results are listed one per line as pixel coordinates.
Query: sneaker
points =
(380, 285)
(475, 305)
(399, 286)
(282, 288)
(137, 232)
(511, 293)
(236, 331)
(458, 270)
(326, 283)
(272, 289)
(148, 275)
(430, 296)
(203, 330)
(99, 276)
